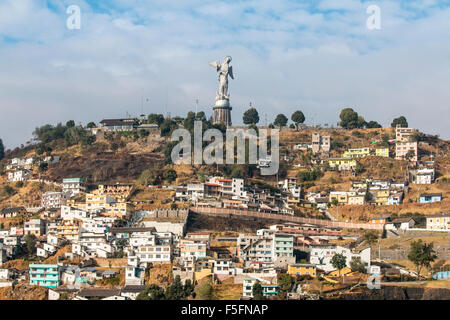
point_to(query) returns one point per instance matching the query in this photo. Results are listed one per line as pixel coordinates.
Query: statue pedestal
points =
(222, 112)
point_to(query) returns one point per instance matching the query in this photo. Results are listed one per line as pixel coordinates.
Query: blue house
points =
(430, 197)
(45, 275)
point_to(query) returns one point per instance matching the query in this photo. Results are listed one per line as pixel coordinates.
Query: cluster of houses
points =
(21, 169)
(220, 192)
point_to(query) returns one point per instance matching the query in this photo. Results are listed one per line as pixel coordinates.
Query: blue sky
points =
(317, 56)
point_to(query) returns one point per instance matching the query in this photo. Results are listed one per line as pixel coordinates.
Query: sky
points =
(131, 56)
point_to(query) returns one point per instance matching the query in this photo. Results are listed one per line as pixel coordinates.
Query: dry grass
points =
(227, 290)
(160, 274)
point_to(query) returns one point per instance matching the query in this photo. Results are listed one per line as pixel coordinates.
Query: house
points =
(134, 275)
(19, 175)
(267, 288)
(430, 197)
(321, 255)
(35, 227)
(127, 124)
(132, 291)
(12, 212)
(90, 293)
(265, 249)
(340, 196)
(73, 186)
(400, 224)
(52, 199)
(404, 149)
(223, 268)
(302, 270)
(342, 164)
(379, 220)
(422, 176)
(438, 222)
(192, 248)
(118, 189)
(44, 275)
(356, 153)
(70, 213)
(395, 198)
(382, 152)
(403, 134)
(320, 143)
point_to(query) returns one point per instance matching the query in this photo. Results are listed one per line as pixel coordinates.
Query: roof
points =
(131, 230)
(10, 210)
(401, 220)
(431, 195)
(118, 122)
(133, 288)
(441, 215)
(99, 292)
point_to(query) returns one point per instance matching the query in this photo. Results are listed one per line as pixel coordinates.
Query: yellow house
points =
(438, 222)
(68, 230)
(117, 209)
(302, 269)
(382, 152)
(95, 200)
(342, 163)
(356, 153)
(340, 196)
(382, 197)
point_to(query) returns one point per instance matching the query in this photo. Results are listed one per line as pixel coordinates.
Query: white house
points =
(400, 224)
(321, 256)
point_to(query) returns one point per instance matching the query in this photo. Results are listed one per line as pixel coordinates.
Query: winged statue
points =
(223, 71)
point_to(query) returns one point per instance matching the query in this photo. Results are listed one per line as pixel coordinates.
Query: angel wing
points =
(230, 72)
(214, 64)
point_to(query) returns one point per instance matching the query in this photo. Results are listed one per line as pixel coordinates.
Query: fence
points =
(286, 218)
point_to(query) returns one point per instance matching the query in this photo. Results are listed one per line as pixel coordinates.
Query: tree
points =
(257, 291)
(145, 177)
(298, 117)
(339, 261)
(349, 119)
(2, 150)
(401, 121)
(370, 237)
(188, 288)
(285, 282)
(91, 125)
(156, 118)
(280, 120)
(205, 292)
(357, 265)
(9, 190)
(175, 291)
(251, 116)
(70, 124)
(170, 175)
(43, 166)
(152, 292)
(167, 127)
(421, 254)
(373, 125)
(30, 243)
